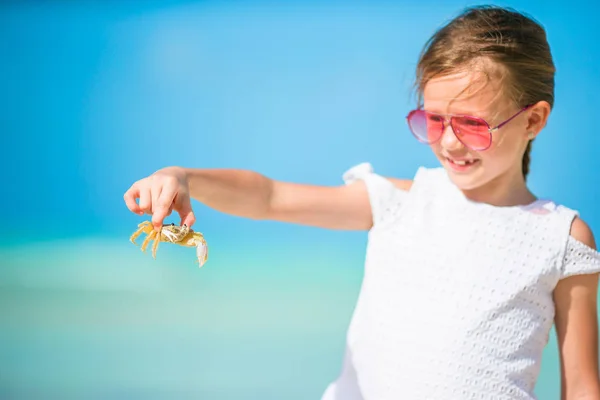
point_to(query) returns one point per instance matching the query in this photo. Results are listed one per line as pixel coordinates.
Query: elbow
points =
(264, 209)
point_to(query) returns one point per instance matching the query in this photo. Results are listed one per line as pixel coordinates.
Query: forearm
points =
(232, 191)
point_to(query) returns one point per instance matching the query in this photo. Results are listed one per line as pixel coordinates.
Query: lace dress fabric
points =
(456, 300)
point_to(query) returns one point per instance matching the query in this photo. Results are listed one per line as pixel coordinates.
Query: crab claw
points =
(201, 253)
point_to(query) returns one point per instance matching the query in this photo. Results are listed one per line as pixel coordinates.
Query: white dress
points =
(456, 301)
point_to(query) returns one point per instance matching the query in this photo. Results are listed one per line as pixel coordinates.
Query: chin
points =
(468, 178)
(465, 183)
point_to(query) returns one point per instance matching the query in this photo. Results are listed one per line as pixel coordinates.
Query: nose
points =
(449, 141)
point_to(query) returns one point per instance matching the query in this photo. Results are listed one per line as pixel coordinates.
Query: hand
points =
(160, 193)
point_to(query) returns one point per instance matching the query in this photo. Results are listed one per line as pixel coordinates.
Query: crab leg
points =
(142, 227)
(150, 236)
(135, 235)
(155, 246)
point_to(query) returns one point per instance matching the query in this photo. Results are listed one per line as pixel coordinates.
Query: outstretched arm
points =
(252, 195)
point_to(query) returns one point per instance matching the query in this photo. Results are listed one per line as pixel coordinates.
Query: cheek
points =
(507, 139)
(497, 155)
(505, 147)
(436, 148)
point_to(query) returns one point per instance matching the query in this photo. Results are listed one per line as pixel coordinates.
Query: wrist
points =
(192, 179)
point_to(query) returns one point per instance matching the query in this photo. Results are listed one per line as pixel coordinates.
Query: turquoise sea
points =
(95, 318)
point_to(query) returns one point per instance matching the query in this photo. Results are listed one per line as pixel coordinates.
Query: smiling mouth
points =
(461, 165)
(462, 162)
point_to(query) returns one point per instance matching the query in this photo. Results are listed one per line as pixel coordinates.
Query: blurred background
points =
(95, 95)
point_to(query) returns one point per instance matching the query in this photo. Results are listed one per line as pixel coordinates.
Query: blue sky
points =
(96, 95)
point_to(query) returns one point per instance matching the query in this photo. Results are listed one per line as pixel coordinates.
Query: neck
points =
(505, 190)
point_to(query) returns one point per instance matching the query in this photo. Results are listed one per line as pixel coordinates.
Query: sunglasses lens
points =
(426, 127)
(473, 132)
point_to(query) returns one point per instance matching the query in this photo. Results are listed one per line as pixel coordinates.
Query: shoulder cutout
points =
(581, 232)
(581, 256)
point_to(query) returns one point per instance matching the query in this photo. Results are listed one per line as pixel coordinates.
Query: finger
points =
(169, 211)
(155, 193)
(163, 203)
(187, 215)
(158, 217)
(166, 197)
(188, 218)
(130, 198)
(146, 200)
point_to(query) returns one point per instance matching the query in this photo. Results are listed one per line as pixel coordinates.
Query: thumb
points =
(187, 215)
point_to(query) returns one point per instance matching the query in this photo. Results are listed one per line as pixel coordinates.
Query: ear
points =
(537, 116)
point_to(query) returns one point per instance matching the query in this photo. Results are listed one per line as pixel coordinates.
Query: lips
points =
(461, 164)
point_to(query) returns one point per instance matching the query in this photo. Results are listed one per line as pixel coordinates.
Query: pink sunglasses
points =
(473, 132)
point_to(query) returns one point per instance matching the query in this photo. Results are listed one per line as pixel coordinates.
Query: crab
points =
(171, 233)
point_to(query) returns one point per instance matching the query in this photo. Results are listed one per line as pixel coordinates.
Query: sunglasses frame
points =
(447, 121)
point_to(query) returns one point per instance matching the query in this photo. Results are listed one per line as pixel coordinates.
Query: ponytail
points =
(527, 160)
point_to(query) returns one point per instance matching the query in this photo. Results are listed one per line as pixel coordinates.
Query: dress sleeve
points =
(579, 259)
(385, 198)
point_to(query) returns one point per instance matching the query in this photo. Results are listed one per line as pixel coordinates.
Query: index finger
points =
(130, 196)
(163, 204)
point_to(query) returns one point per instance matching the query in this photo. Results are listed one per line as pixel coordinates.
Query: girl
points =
(466, 270)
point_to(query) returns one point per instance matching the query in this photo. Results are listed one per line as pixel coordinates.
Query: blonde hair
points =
(509, 39)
